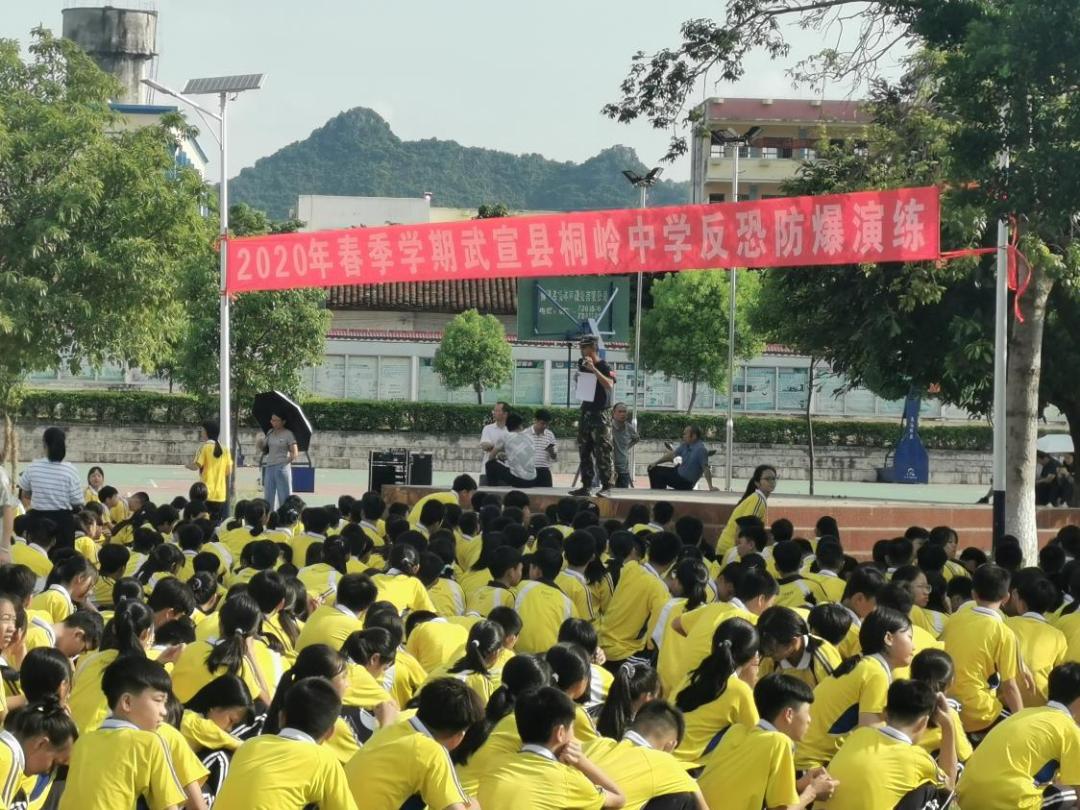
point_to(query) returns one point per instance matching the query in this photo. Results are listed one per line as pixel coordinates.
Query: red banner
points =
(869, 227)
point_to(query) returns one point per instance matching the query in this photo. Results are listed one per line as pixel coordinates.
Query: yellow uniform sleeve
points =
(874, 693)
(781, 790)
(206, 735)
(163, 784)
(440, 787)
(188, 767)
(578, 792)
(421, 600)
(1006, 660)
(332, 787)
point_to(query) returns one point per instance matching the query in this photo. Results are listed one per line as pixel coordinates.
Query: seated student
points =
(191, 773)
(88, 534)
(1031, 759)
(400, 585)
(641, 764)
(473, 578)
(164, 560)
(751, 538)
(787, 646)
(855, 694)
(752, 766)
(715, 696)
(291, 768)
(461, 493)
(983, 649)
(139, 765)
(446, 595)
(830, 621)
(899, 596)
(859, 600)
(828, 562)
(935, 668)
(412, 758)
(316, 523)
(271, 593)
(476, 666)
(505, 567)
(542, 605)
(755, 592)
(332, 624)
(640, 597)
(884, 767)
(171, 599)
(1041, 645)
(467, 540)
(582, 633)
(77, 634)
(433, 640)
(635, 684)
(926, 619)
(321, 578)
(402, 680)
(40, 536)
(112, 562)
(550, 770)
(209, 719)
(795, 589)
(36, 739)
(370, 654)
(234, 653)
(430, 518)
(579, 550)
(570, 666)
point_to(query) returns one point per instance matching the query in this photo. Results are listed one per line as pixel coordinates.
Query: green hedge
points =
(144, 407)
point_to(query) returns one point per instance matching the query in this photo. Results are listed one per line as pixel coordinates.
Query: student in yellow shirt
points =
(210, 717)
(935, 669)
(412, 758)
(400, 585)
(579, 550)
(332, 624)
(752, 766)
(292, 768)
(446, 595)
(551, 769)
(213, 463)
(882, 766)
(638, 601)
(88, 537)
(40, 534)
(634, 685)
(899, 596)
(753, 504)
(461, 492)
(788, 647)
(124, 759)
(688, 583)
(36, 739)
(717, 693)
(370, 654)
(984, 651)
(1032, 758)
(77, 634)
(860, 599)
(856, 693)
(476, 667)
(403, 679)
(234, 653)
(582, 633)
(269, 591)
(505, 567)
(321, 578)
(795, 589)
(71, 582)
(829, 560)
(112, 561)
(640, 762)
(1041, 645)
(570, 665)
(542, 604)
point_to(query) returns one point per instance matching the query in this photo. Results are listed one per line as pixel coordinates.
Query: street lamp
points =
(729, 136)
(223, 87)
(643, 182)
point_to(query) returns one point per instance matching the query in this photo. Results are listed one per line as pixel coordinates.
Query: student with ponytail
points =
(570, 664)
(268, 589)
(688, 583)
(476, 667)
(69, 584)
(400, 585)
(213, 463)
(788, 647)
(130, 632)
(37, 738)
(496, 736)
(234, 653)
(214, 712)
(321, 579)
(635, 684)
(857, 692)
(719, 692)
(371, 655)
(164, 560)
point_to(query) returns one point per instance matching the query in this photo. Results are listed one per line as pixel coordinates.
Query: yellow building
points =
(787, 132)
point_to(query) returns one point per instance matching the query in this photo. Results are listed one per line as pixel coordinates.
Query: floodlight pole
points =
(224, 359)
(637, 330)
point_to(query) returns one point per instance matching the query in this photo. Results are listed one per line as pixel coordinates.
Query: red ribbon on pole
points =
(1015, 256)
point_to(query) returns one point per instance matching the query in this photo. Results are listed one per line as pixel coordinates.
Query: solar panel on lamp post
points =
(223, 87)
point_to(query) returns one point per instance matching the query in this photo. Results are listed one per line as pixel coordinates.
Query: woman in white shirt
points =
(54, 486)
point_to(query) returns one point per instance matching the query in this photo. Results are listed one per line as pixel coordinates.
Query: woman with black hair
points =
(496, 736)
(40, 736)
(635, 684)
(476, 667)
(720, 691)
(400, 585)
(321, 578)
(214, 723)
(279, 451)
(788, 647)
(688, 582)
(754, 502)
(270, 591)
(214, 464)
(54, 487)
(234, 653)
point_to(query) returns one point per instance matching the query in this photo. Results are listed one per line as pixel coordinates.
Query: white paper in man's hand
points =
(586, 387)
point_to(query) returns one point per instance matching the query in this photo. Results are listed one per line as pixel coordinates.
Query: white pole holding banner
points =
(730, 425)
(637, 341)
(1001, 323)
(225, 380)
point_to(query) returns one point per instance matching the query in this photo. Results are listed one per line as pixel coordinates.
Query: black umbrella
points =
(273, 403)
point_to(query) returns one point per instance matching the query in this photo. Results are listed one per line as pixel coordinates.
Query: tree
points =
(493, 211)
(96, 221)
(999, 79)
(274, 335)
(684, 335)
(474, 352)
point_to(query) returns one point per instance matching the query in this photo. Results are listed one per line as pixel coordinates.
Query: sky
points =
(519, 77)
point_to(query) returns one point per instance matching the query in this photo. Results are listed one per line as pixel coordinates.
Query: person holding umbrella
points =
(288, 431)
(214, 463)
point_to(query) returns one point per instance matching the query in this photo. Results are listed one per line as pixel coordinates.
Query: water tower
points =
(122, 41)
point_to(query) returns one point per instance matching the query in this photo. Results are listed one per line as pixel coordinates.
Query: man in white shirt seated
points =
(492, 435)
(515, 458)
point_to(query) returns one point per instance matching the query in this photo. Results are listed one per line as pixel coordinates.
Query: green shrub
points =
(147, 407)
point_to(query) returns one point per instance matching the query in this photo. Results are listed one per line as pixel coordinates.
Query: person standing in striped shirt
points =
(544, 445)
(54, 486)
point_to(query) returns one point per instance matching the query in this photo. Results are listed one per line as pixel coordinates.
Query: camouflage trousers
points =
(595, 447)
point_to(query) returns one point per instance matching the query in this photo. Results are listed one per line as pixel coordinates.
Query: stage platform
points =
(862, 521)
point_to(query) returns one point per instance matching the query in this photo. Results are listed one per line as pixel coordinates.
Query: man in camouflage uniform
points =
(594, 422)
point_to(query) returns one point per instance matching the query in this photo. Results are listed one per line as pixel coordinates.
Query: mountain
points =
(357, 154)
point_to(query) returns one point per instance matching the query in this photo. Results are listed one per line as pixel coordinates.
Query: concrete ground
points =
(165, 482)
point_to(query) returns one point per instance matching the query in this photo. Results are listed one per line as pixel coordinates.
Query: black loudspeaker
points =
(387, 467)
(420, 469)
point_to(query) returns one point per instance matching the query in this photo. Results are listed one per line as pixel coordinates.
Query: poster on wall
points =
(362, 378)
(431, 387)
(529, 382)
(329, 380)
(559, 383)
(792, 388)
(760, 388)
(659, 391)
(828, 394)
(394, 377)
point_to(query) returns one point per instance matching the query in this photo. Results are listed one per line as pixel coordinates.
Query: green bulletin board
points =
(583, 297)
